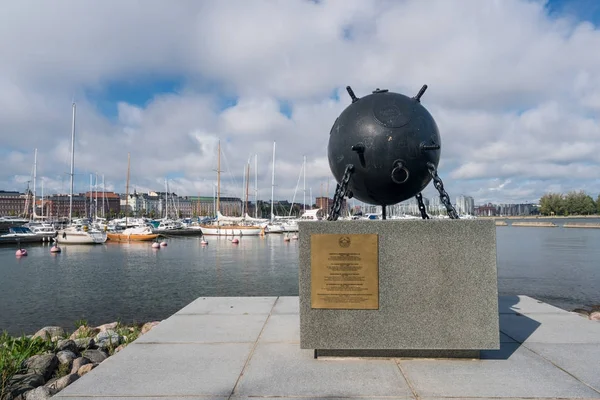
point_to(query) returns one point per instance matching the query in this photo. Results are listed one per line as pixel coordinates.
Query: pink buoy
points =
(21, 253)
(235, 240)
(294, 237)
(55, 249)
(156, 245)
(204, 242)
(286, 239)
(163, 244)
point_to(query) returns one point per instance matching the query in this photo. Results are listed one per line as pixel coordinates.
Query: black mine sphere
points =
(389, 138)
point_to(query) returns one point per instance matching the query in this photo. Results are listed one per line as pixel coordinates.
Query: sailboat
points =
(134, 234)
(227, 226)
(78, 233)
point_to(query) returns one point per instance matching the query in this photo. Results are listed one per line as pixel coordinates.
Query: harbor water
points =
(135, 283)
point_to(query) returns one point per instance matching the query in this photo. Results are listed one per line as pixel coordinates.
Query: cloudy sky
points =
(514, 87)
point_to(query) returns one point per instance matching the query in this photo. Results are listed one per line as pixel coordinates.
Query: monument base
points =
(435, 294)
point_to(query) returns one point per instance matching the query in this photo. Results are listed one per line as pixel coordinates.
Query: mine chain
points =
(439, 185)
(341, 191)
(419, 197)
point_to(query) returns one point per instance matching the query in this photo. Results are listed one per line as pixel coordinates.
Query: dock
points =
(244, 347)
(581, 225)
(539, 224)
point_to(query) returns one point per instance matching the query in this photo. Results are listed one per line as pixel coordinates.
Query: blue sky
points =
(514, 86)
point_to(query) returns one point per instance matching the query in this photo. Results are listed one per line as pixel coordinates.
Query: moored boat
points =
(137, 234)
(77, 234)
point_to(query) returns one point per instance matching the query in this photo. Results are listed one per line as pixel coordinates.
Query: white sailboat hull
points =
(231, 231)
(66, 236)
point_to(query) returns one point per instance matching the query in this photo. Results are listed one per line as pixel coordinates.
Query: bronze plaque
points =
(344, 271)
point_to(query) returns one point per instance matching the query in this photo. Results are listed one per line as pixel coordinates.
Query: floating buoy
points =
(204, 242)
(55, 249)
(156, 245)
(294, 237)
(163, 244)
(21, 253)
(286, 238)
(235, 240)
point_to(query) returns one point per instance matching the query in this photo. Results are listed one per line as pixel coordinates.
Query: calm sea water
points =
(133, 282)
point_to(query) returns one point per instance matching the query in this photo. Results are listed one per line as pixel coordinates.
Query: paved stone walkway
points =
(243, 347)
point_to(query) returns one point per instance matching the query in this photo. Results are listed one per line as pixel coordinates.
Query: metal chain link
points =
(340, 192)
(439, 185)
(419, 197)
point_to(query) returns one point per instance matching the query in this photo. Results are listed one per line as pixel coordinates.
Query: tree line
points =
(572, 203)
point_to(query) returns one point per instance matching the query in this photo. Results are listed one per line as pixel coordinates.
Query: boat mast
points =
(91, 195)
(219, 178)
(72, 164)
(273, 183)
(166, 200)
(256, 186)
(42, 197)
(247, 183)
(304, 170)
(96, 200)
(34, 179)
(127, 193)
(103, 194)
(242, 197)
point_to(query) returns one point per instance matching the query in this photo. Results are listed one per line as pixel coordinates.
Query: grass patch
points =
(13, 351)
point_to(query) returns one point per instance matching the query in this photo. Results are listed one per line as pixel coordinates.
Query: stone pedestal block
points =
(438, 290)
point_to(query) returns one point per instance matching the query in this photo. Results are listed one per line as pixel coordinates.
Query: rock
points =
(84, 331)
(107, 339)
(582, 312)
(118, 349)
(84, 343)
(85, 369)
(66, 357)
(44, 365)
(49, 332)
(20, 384)
(95, 356)
(596, 307)
(62, 383)
(39, 393)
(106, 327)
(595, 315)
(148, 326)
(66, 344)
(78, 363)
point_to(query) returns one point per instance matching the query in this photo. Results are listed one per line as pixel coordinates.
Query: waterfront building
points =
(12, 203)
(465, 205)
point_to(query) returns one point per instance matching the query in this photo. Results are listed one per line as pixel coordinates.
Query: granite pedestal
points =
(438, 292)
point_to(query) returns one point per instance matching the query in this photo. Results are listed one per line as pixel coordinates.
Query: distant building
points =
(12, 203)
(465, 205)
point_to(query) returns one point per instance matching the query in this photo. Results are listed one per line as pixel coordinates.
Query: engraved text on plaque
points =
(344, 271)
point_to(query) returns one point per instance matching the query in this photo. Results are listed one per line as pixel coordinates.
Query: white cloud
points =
(515, 93)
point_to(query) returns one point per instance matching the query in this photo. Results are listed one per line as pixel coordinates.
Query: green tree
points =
(579, 203)
(552, 204)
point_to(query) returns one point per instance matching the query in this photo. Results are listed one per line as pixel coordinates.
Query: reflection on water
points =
(134, 282)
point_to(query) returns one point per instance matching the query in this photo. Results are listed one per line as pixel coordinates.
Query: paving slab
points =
(282, 328)
(281, 369)
(550, 328)
(229, 305)
(206, 328)
(165, 370)
(580, 360)
(523, 374)
(526, 305)
(287, 305)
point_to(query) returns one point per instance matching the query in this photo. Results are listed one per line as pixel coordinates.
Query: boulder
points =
(148, 326)
(595, 315)
(106, 327)
(66, 357)
(84, 343)
(95, 356)
(66, 344)
(84, 331)
(39, 393)
(49, 332)
(85, 369)
(43, 364)
(20, 384)
(78, 363)
(107, 339)
(62, 383)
